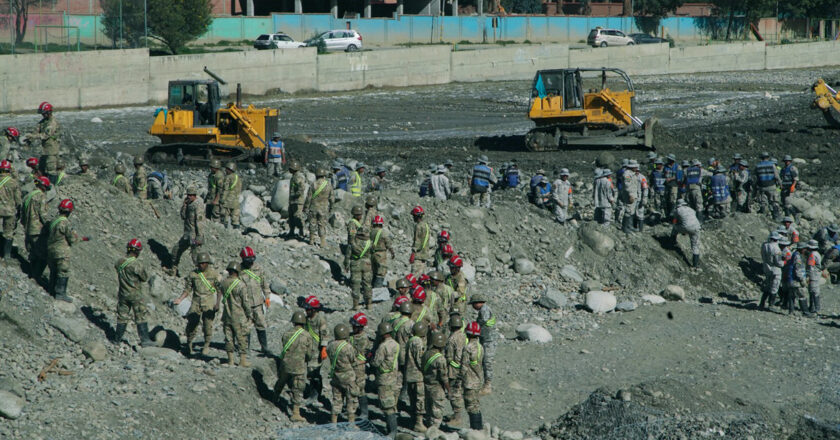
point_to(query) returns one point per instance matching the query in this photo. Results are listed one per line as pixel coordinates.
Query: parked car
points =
(276, 41)
(608, 37)
(647, 39)
(347, 40)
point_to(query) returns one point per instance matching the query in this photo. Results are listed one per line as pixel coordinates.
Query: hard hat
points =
(247, 252)
(66, 205)
(671, 158)
(405, 308)
(119, 168)
(773, 159)
(341, 331)
(44, 181)
(419, 294)
(5, 165)
(443, 236)
(625, 162)
(12, 132)
(398, 301)
(231, 166)
(765, 155)
(192, 190)
(411, 279)
(380, 170)
(651, 155)
(83, 161)
(720, 170)
(787, 158)
(425, 279)
(782, 231)
(403, 283)
(455, 321)
(659, 161)
(370, 201)
(138, 160)
(215, 163)
(420, 329)
(812, 244)
(294, 165)
(564, 172)
(473, 329)
(32, 162)
(203, 257)
(335, 165)
(456, 261)
(312, 303)
(359, 320)
(45, 107)
(633, 164)
(696, 162)
(436, 275)
(234, 266)
(321, 172)
(384, 328)
(447, 249)
(543, 180)
(736, 156)
(357, 210)
(275, 135)
(417, 211)
(787, 219)
(438, 340)
(378, 221)
(483, 159)
(299, 317)
(360, 165)
(134, 244)
(712, 160)
(477, 298)
(685, 163)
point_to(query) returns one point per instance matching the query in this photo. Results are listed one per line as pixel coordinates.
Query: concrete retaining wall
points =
(128, 77)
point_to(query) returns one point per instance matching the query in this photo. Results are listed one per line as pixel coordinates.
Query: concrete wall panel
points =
(507, 63)
(717, 58)
(790, 56)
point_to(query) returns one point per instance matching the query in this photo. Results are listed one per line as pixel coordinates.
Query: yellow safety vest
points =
(289, 344)
(320, 188)
(364, 251)
(356, 186)
(431, 359)
(230, 289)
(335, 359)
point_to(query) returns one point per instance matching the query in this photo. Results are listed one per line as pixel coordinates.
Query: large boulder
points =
(673, 292)
(381, 294)
(523, 266)
(11, 406)
(533, 333)
(469, 271)
(602, 244)
(280, 197)
(800, 204)
(570, 273)
(653, 299)
(74, 329)
(819, 214)
(553, 299)
(250, 208)
(600, 302)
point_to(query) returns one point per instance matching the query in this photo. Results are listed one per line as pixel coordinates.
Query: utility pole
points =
(121, 25)
(146, 23)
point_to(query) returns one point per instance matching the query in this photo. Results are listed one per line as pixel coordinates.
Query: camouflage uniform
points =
(379, 252)
(420, 246)
(49, 133)
(453, 351)
(435, 376)
(420, 312)
(193, 215)
(794, 279)
(298, 347)
(33, 218)
(370, 213)
(214, 181)
(458, 283)
(415, 350)
(316, 327)
(345, 389)
(139, 182)
(488, 338)
(297, 198)
(257, 290)
(234, 315)
(814, 271)
(122, 184)
(203, 288)
(361, 344)
(446, 296)
(60, 237)
(9, 204)
(229, 199)
(472, 375)
(359, 262)
(131, 275)
(402, 333)
(317, 208)
(385, 361)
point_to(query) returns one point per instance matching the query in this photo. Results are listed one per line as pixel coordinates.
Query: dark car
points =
(646, 39)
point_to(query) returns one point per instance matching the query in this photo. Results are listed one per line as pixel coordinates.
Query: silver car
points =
(277, 41)
(347, 40)
(599, 37)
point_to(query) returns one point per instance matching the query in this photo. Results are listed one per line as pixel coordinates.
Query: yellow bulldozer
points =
(194, 128)
(585, 107)
(828, 100)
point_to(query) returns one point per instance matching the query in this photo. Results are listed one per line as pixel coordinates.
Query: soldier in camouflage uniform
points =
(10, 137)
(214, 185)
(297, 199)
(415, 350)
(229, 196)
(132, 277)
(49, 133)
(298, 347)
(316, 326)
(139, 181)
(192, 212)
(363, 346)
(370, 210)
(380, 249)
(358, 262)
(342, 356)
(794, 279)
(419, 311)
(420, 246)
(488, 338)
(385, 362)
(813, 265)
(60, 237)
(453, 351)
(318, 207)
(202, 285)
(120, 181)
(458, 282)
(258, 294)
(435, 379)
(472, 374)
(33, 217)
(402, 327)
(233, 294)
(9, 208)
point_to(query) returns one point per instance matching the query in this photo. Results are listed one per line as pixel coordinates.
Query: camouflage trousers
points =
(296, 384)
(178, 250)
(480, 198)
(672, 193)
(456, 394)
(772, 281)
(196, 317)
(275, 168)
(472, 401)
(212, 211)
(344, 394)
(794, 291)
(49, 164)
(603, 215)
(417, 397)
(9, 224)
(379, 262)
(489, 343)
(694, 237)
(741, 201)
(59, 268)
(561, 213)
(435, 398)
(318, 225)
(720, 210)
(786, 203)
(768, 196)
(234, 323)
(387, 394)
(33, 248)
(694, 198)
(296, 220)
(360, 278)
(230, 214)
(128, 303)
(257, 318)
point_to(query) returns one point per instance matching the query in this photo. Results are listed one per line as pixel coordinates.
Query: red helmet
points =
(43, 180)
(424, 279)
(378, 221)
(418, 210)
(247, 252)
(456, 261)
(5, 165)
(312, 303)
(359, 320)
(135, 244)
(419, 294)
(399, 300)
(45, 107)
(473, 329)
(443, 237)
(447, 249)
(32, 162)
(66, 205)
(411, 279)
(12, 131)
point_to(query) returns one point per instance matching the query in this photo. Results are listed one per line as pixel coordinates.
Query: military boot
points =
(333, 418)
(261, 336)
(391, 421)
(243, 360)
(3, 248)
(7, 248)
(418, 424)
(476, 422)
(355, 304)
(455, 420)
(143, 333)
(625, 224)
(803, 305)
(351, 418)
(789, 302)
(377, 281)
(205, 350)
(119, 333)
(296, 417)
(188, 348)
(323, 242)
(816, 304)
(231, 359)
(363, 407)
(486, 389)
(61, 289)
(695, 260)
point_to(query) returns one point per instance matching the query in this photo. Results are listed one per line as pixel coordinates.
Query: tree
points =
(123, 19)
(650, 12)
(19, 10)
(177, 22)
(523, 6)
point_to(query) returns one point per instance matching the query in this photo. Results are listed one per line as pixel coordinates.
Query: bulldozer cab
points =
(202, 97)
(572, 85)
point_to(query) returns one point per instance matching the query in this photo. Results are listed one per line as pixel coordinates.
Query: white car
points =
(608, 37)
(347, 40)
(277, 41)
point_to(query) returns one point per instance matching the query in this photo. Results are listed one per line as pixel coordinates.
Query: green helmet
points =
(341, 331)
(321, 172)
(138, 160)
(357, 210)
(405, 308)
(203, 257)
(231, 166)
(294, 165)
(420, 329)
(436, 275)
(384, 328)
(438, 340)
(83, 161)
(215, 163)
(370, 201)
(477, 298)
(119, 168)
(233, 266)
(403, 283)
(192, 190)
(299, 317)
(455, 322)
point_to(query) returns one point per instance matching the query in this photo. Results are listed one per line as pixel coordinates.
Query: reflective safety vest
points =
(620, 176)
(680, 177)
(364, 251)
(341, 178)
(481, 176)
(671, 171)
(790, 272)
(230, 289)
(393, 367)
(536, 180)
(356, 185)
(275, 149)
(658, 178)
(720, 190)
(512, 178)
(431, 361)
(335, 358)
(117, 179)
(291, 341)
(765, 173)
(787, 176)
(692, 175)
